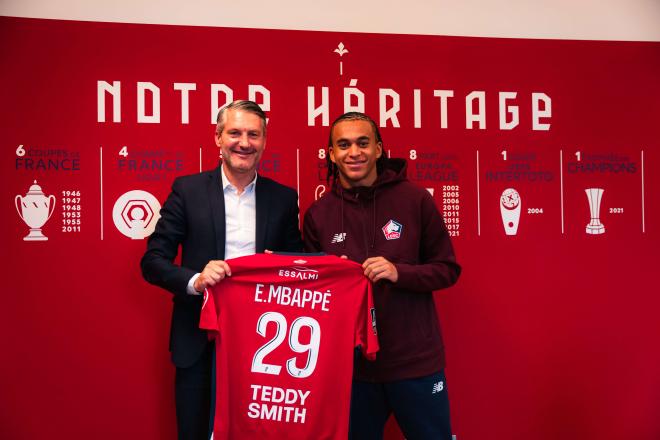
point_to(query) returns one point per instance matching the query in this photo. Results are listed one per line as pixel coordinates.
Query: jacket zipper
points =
(364, 227)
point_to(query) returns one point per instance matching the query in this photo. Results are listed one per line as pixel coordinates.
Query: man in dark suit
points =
(215, 215)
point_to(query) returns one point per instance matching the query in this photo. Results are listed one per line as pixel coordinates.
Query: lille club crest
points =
(392, 230)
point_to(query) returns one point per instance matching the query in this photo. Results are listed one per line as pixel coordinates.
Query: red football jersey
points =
(285, 330)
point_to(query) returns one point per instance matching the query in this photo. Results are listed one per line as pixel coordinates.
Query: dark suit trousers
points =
(192, 391)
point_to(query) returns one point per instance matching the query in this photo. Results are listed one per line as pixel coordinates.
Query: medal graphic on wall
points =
(135, 214)
(510, 204)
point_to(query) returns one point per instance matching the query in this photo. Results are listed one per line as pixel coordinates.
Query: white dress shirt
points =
(240, 222)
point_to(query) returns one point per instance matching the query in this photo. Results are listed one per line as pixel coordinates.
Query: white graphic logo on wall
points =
(319, 191)
(595, 196)
(510, 204)
(35, 208)
(135, 214)
(341, 50)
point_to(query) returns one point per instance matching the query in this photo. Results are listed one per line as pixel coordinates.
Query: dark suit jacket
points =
(193, 216)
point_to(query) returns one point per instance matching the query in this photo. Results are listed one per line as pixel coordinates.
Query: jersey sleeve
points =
(209, 317)
(366, 336)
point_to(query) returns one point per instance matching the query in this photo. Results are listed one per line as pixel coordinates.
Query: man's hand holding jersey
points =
(214, 272)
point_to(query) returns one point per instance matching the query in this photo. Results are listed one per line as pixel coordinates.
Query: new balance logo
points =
(338, 238)
(437, 387)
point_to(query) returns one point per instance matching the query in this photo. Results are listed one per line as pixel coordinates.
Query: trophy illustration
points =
(595, 195)
(35, 208)
(510, 210)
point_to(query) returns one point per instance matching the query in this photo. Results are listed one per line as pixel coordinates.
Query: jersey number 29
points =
(312, 348)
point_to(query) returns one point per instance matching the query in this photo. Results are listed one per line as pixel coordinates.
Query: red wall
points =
(550, 333)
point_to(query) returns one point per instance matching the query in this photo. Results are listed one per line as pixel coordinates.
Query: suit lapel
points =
(217, 201)
(262, 202)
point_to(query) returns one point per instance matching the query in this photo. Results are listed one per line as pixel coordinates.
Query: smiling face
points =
(355, 151)
(242, 142)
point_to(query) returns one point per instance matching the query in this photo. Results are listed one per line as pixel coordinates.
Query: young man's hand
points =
(378, 268)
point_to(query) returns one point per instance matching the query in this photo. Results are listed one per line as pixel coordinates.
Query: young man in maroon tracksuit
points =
(375, 216)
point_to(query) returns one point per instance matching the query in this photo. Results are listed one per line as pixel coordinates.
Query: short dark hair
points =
(243, 105)
(333, 171)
